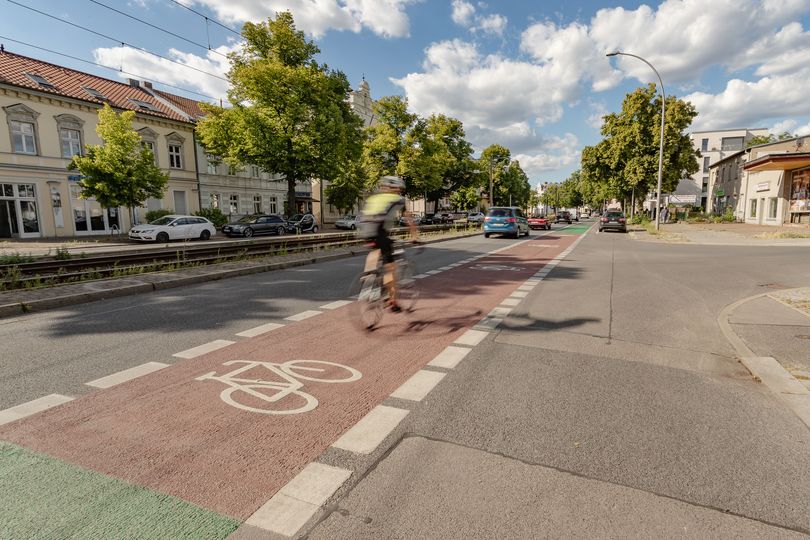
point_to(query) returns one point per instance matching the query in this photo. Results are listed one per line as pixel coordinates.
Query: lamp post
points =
(491, 201)
(661, 147)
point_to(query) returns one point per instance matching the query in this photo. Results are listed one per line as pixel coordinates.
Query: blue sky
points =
(529, 75)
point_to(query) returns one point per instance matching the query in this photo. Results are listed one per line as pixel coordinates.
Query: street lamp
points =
(661, 148)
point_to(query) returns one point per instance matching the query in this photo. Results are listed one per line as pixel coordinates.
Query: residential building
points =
(767, 184)
(51, 113)
(713, 146)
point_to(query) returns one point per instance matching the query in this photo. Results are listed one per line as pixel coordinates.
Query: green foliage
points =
(119, 172)
(214, 215)
(63, 254)
(509, 181)
(765, 139)
(345, 190)
(152, 215)
(15, 258)
(626, 160)
(290, 114)
(465, 198)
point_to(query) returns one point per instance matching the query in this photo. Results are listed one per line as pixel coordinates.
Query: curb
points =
(765, 368)
(23, 307)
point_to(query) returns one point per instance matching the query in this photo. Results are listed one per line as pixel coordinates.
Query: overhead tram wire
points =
(115, 40)
(147, 23)
(206, 17)
(117, 70)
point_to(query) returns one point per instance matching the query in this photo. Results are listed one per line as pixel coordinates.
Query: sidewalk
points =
(725, 234)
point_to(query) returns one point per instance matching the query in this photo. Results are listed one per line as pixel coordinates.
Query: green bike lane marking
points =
(574, 229)
(85, 504)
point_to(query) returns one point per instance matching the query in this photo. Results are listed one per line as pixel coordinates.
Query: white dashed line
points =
(194, 352)
(519, 294)
(527, 287)
(294, 504)
(450, 357)
(510, 302)
(371, 430)
(471, 338)
(259, 330)
(418, 386)
(489, 323)
(433, 272)
(444, 268)
(337, 304)
(127, 374)
(420, 276)
(32, 407)
(500, 312)
(303, 315)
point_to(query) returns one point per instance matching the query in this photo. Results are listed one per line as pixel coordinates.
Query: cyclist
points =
(380, 214)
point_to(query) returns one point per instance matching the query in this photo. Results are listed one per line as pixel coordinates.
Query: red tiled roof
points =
(69, 82)
(188, 106)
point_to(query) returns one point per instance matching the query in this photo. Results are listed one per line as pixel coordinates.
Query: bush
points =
(152, 215)
(640, 219)
(214, 215)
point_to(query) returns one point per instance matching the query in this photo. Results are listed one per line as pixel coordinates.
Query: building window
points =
(705, 183)
(232, 170)
(175, 156)
(273, 205)
(753, 208)
(216, 201)
(71, 142)
(212, 168)
(706, 161)
(704, 145)
(23, 137)
(148, 140)
(773, 204)
(234, 206)
(731, 143)
(257, 204)
(254, 171)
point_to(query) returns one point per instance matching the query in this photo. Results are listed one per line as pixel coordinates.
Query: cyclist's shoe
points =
(394, 307)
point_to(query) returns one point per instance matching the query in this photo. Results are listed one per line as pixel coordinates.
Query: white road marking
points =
(519, 294)
(371, 430)
(32, 407)
(443, 268)
(253, 332)
(527, 287)
(432, 272)
(420, 276)
(336, 304)
(127, 374)
(489, 323)
(418, 386)
(450, 357)
(303, 315)
(294, 504)
(203, 349)
(510, 302)
(500, 312)
(471, 338)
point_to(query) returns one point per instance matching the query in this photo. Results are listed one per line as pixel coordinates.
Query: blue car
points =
(508, 220)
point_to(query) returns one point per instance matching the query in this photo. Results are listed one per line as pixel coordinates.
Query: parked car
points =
(173, 227)
(585, 215)
(505, 220)
(301, 223)
(475, 217)
(445, 217)
(348, 221)
(539, 222)
(563, 215)
(430, 219)
(256, 224)
(613, 220)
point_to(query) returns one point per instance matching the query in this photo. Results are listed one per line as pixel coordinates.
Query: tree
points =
(290, 114)
(626, 160)
(769, 138)
(386, 139)
(510, 184)
(465, 198)
(346, 189)
(120, 172)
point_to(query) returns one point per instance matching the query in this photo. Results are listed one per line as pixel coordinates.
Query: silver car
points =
(347, 222)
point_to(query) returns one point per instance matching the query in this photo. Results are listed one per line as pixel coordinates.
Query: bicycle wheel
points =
(368, 309)
(407, 291)
(320, 371)
(268, 399)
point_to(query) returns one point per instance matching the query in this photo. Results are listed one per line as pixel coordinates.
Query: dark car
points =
(301, 223)
(563, 215)
(430, 219)
(256, 224)
(613, 220)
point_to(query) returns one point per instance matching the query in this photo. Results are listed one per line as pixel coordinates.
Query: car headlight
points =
(145, 230)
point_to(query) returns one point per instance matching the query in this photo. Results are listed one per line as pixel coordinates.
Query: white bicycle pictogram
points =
(273, 392)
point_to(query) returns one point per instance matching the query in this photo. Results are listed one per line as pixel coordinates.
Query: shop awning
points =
(779, 162)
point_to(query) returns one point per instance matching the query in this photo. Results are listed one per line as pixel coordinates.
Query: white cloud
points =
(492, 24)
(386, 18)
(785, 125)
(595, 119)
(463, 13)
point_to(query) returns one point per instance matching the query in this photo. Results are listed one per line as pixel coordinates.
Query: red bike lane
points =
(173, 432)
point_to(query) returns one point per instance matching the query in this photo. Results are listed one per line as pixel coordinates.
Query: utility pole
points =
(491, 199)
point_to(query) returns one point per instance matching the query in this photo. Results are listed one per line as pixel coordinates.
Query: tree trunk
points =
(291, 202)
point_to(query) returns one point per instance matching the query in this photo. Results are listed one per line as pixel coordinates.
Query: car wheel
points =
(205, 235)
(248, 232)
(486, 235)
(353, 227)
(314, 229)
(280, 231)
(162, 237)
(548, 227)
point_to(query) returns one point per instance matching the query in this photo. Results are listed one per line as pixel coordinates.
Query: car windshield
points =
(248, 219)
(348, 217)
(162, 221)
(297, 217)
(615, 214)
(500, 212)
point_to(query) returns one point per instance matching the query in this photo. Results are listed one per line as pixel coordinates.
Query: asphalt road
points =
(607, 403)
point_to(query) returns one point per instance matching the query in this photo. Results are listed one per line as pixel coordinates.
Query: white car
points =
(347, 222)
(475, 217)
(173, 228)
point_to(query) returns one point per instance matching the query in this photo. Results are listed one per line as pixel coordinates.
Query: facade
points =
(49, 113)
(713, 146)
(767, 184)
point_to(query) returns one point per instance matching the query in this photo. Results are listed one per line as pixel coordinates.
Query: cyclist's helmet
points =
(392, 182)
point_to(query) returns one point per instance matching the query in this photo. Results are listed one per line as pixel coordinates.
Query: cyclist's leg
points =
(386, 246)
(372, 261)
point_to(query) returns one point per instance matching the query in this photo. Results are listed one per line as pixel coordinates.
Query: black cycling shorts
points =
(385, 245)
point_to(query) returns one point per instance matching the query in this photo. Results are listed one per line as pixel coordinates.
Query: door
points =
(8, 220)
(180, 202)
(182, 229)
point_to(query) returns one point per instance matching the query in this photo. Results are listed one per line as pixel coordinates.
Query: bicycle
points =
(372, 295)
